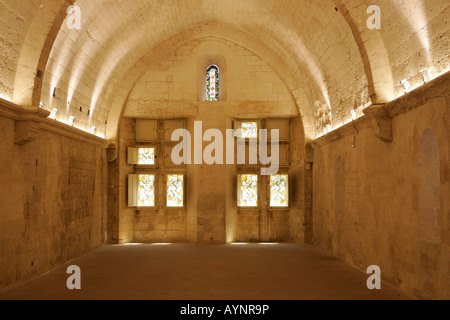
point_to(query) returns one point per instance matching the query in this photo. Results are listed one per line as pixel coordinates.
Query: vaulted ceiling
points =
(321, 49)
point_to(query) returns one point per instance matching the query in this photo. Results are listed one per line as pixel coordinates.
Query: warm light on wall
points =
(406, 85)
(314, 68)
(416, 16)
(71, 121)
(53, 114)
(428, 74)
(354, 115)
(6, 98)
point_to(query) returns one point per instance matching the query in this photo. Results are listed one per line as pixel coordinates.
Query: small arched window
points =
(212, 83)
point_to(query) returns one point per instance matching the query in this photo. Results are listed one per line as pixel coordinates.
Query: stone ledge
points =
(73, 133)
(11, 110)
(26, 121)
(379, 116)
(350, 128)
(30, 121)
(437, 88)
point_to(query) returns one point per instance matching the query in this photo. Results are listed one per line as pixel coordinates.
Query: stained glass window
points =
(146, 156)
(248, 130)
(279, 194)
(212, 83)
(175, 190)
(146, 194)
(248, 190)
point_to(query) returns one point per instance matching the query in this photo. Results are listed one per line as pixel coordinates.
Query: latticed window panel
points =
(175, 191)
(212, 83)
(279, 191)
(249, 130)
(146, 194)
(248, 190)
(146, 156)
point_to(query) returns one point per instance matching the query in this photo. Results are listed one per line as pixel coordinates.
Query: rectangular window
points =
(248, 130)
(146, 156)
(141, 156)
(247, 190)
(175, 191)
(146, 191)
(279, 191)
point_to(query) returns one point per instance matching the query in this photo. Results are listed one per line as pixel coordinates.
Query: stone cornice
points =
(30, 121)
(10, 110)
(71, 132)
(379, 116)
(350, 128)
(437, 88)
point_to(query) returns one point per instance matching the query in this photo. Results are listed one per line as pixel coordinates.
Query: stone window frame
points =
(145, 146)
(166, 176)
(217, 83)
(263, 181)
(273, 208)
(258, 191)
(237, 125)
(203, 64)
(136, 190)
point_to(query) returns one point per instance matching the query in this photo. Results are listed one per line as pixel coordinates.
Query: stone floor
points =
(197, 272)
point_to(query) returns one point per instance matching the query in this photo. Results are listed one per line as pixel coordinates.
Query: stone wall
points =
(52, 201)
(374, 203)
(15, 19)
(211, 214)
(174, 87)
